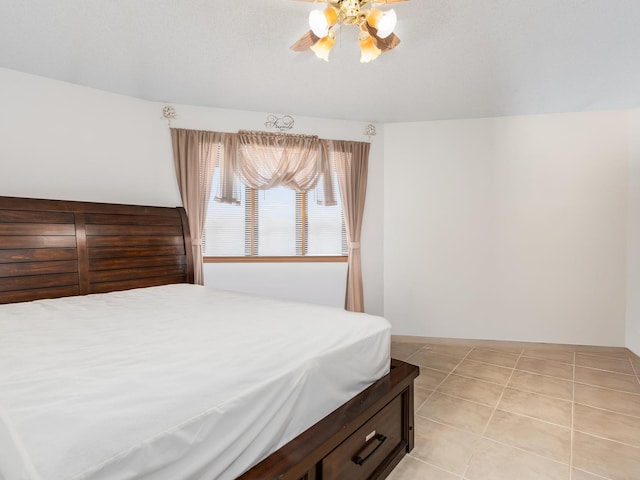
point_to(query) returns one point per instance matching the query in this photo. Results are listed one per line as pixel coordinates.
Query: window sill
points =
(293, 259)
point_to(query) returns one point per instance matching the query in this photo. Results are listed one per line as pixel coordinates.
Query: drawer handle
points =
(361, 458)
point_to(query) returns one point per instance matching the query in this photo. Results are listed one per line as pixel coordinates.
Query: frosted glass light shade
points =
(320, 21)
(368, 49)
(323, 46)
(387, 23)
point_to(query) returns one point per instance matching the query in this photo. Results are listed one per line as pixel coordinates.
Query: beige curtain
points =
(194, 154)
(352, 163)
(264, 160)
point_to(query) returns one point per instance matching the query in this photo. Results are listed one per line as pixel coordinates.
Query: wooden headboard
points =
(54, 248)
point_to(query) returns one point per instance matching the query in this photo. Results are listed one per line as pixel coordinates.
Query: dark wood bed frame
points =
(54, 248)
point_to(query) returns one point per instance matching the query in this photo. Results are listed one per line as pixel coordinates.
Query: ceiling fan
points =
(376, 27)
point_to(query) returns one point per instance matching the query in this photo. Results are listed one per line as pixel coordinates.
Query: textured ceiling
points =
(457, 59)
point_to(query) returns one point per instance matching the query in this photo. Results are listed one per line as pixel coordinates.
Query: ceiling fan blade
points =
(389, 43)
(305, 42)
(384, 44)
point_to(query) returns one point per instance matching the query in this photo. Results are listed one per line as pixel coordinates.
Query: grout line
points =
(546, 375)
(577, 352)
(486, 427)
(488, 363)
(408, 357)
(458, 429)
(499, 442)
(573, 406)
(539, 357)
(462, 398)
(418, 407)
(515, 447)
(637, 447)
(616, 412)
(633, 367)
(605, 355)
(432, 465)
(504, 352)
(580, 382)
(478, 379)
(501, 409)
(448, 375)
(525, 451)
(607, 388)
(605, 370)
(566, 427)
(524, 355)
(592, 474)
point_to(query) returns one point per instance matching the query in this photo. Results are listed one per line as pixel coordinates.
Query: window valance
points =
(264, 160)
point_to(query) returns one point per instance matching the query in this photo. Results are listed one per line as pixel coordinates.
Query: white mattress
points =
(173, 382)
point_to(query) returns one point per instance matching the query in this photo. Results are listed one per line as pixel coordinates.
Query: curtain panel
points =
(352, 163)
(194, 154)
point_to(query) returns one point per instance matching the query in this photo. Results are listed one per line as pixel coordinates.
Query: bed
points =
(77, 273)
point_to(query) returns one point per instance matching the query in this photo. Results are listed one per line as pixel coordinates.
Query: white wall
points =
(68, 142)
(508, 228)
(64, 141)
(518, 229)
(633, 252)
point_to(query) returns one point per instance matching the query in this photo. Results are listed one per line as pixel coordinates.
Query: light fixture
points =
(376, 27)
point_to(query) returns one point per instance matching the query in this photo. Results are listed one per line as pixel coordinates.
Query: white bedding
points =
(173, 382)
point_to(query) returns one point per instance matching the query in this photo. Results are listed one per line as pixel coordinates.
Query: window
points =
(278, 222)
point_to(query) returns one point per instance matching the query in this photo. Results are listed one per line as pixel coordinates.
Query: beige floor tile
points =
(582, 475)
(531, 443)
(635, 360)
(537, 406)
(620, 402)
(500, 346)
(420, 395)
(611, 352)
(605, 458)
(456, 412)
(471, 389)
(535, 436)
(412, 469)
(493, 357)
(604, 363)
(531, 382)
(564, 356)
(443, 446)
(430, 378)
(437, 361)
(402, 351)
(453, 350)
(545, 367)
(614, 426)
(616, 381)
(483, 371)
(492, 461)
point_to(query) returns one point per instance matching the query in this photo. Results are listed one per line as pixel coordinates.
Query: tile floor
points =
(514, 411)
